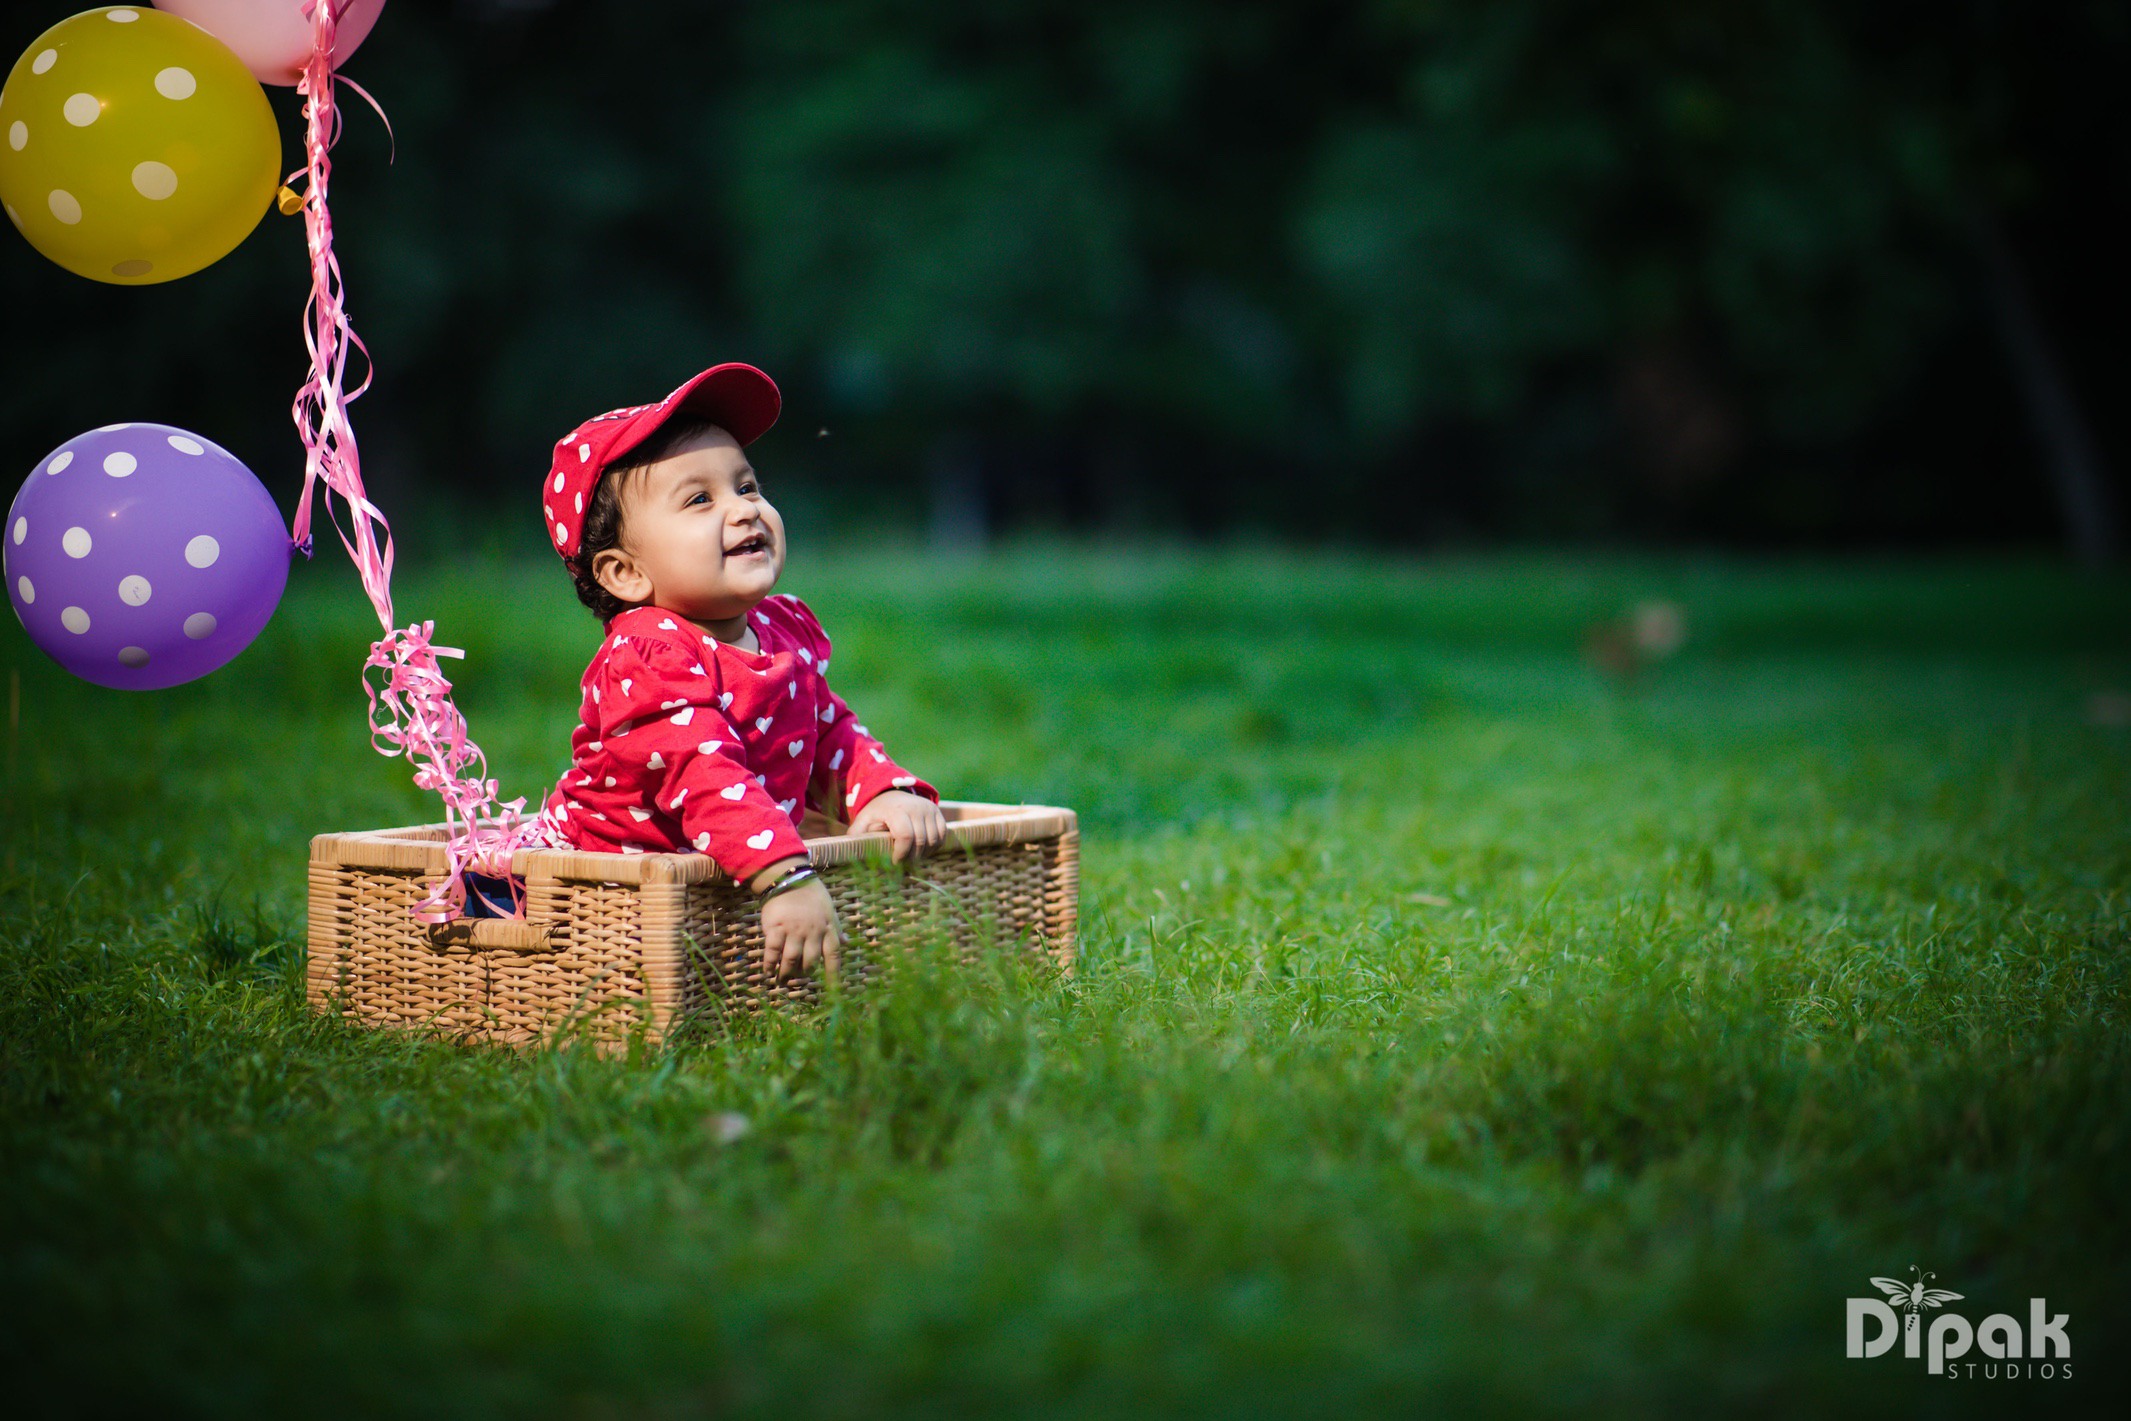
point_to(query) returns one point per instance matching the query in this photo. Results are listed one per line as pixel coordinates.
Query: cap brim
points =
(738, 398)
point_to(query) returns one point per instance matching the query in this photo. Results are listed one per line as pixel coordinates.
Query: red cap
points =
(738, 398)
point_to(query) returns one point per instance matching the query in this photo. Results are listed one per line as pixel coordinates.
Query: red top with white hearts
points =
(690, 742)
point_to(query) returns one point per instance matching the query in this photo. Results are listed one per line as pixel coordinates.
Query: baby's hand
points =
(911, 820)
(799, 929)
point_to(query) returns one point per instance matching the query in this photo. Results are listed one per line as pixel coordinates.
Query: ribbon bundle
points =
(411, 707)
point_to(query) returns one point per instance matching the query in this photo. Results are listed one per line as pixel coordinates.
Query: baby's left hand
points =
(911, 820)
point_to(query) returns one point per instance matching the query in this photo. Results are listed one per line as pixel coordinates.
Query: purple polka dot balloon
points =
(141, 556)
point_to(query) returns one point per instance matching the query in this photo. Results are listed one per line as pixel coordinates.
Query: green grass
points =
(1455, 1030)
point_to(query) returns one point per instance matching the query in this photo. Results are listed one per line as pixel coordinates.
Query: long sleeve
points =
(850, 766)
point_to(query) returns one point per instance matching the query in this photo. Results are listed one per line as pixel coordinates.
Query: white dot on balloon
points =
(120, 465)
(562, 534)
(60, 461)
(176, 83)
(186, 446)
(154, 181)
(580, 503)
(124, 17)
(202, 551)
(558, 483)
(18, 135)
(132, 656)
(29, 593)
(133, 591)
(22, 530)
(77, 542)
(75, 620)
(64, 206)
(44, 62)
(82, 109)
(200, 625)
(584, 453)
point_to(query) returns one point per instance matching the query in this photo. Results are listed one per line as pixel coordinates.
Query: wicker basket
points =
(613, 940)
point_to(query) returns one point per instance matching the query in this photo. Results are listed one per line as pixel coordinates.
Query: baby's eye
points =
(698, 498)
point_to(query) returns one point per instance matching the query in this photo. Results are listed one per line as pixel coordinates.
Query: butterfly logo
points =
(1914, 1295)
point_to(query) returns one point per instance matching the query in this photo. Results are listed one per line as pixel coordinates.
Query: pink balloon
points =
(273, 37)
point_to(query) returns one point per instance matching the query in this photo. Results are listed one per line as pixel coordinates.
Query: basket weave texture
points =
(613, 940)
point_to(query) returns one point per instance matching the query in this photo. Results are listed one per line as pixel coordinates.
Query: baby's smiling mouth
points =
(752, 543)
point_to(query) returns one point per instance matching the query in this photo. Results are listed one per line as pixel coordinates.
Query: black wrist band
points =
(792, 879)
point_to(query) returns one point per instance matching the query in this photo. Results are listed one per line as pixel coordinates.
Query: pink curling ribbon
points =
(411, 709)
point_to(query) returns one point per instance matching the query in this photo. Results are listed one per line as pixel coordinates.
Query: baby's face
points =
(699, 537)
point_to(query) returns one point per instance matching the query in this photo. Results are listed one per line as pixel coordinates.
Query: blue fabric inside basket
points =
(492, 896)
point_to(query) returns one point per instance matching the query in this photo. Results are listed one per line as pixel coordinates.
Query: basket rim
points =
(420, 847)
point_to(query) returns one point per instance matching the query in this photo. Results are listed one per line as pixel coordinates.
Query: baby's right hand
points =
(799, 930)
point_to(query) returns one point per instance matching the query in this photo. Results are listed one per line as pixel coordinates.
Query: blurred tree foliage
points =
(1399, 269)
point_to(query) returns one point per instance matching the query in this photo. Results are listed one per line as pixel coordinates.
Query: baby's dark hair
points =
(603, 518)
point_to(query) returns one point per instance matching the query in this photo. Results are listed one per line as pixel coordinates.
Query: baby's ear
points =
(621, 575)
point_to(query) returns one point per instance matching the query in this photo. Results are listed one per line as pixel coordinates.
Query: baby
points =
(708, 719)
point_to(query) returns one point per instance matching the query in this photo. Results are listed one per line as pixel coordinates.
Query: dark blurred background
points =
(1768, 273)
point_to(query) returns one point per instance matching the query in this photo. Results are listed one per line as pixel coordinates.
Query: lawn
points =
(1457, 1028)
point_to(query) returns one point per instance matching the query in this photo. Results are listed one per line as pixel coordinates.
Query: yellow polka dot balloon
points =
(134, 146)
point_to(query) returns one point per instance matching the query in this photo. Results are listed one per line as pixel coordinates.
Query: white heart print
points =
(625, 685)
(761, 840)
(668, 626)
(656, 762)
(676, 805)
(806, 656)
(733, 791)
(794, 748)
(762, 723)
(677, 701)
(702, 842)
(725, 702)
(904, 781)
(684, 715)
(709, 747)
(836, 761)
(639, 815)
